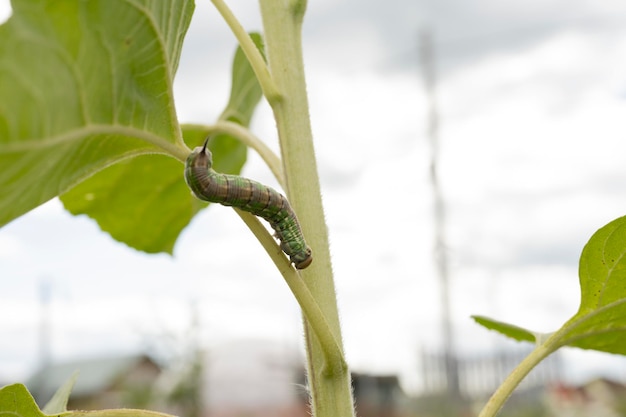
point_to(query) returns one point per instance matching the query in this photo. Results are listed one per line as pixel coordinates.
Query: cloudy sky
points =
(532, 102)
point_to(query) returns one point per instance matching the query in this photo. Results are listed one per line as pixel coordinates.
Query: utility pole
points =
(441, 260)
(45, 321)
(39, 391)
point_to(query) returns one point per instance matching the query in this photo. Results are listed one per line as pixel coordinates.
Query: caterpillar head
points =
(302, 260)
(200, 157)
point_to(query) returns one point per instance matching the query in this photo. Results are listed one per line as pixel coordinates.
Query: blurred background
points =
(519, 110)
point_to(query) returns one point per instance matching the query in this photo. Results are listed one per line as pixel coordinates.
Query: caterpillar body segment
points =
(250, 196)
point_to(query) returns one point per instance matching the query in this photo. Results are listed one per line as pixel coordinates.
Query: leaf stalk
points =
(270, 90)
(504, 391)
(308, 304)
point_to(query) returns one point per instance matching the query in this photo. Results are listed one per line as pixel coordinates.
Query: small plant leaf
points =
(600, 323)
(16, 401)
(144, 201)
(58, 402)
(83, 85)
(510, 330)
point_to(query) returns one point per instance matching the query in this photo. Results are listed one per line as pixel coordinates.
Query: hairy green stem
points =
(331, 394)
(270, 91)
(309, 306)
(329, 378)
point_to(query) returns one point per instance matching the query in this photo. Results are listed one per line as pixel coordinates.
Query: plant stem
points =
(270, 91)
(309, 306)
(505, 390)
(120, 412)
(282, 22)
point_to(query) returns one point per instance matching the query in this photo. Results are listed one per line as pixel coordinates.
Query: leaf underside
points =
(83, 85)
(144, 201)
(86, 107)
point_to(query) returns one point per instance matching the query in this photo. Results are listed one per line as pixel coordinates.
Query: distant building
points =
(252, 378)
(597, 398)
(102, 383)
(378, 395)
(262, 378)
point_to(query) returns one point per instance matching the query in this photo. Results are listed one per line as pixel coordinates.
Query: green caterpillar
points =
(250, 196)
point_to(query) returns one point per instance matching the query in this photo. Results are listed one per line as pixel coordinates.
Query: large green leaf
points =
(600, 322)
(84, 84)
(144, 202)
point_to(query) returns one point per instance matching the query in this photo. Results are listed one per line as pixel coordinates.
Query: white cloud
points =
(10, 247)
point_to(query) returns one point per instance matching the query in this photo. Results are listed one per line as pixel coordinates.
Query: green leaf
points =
(16, 401)
(603, 268)
(510, 330)
(58, 402)
(84, 84)
(144, 202)
(600, 323)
